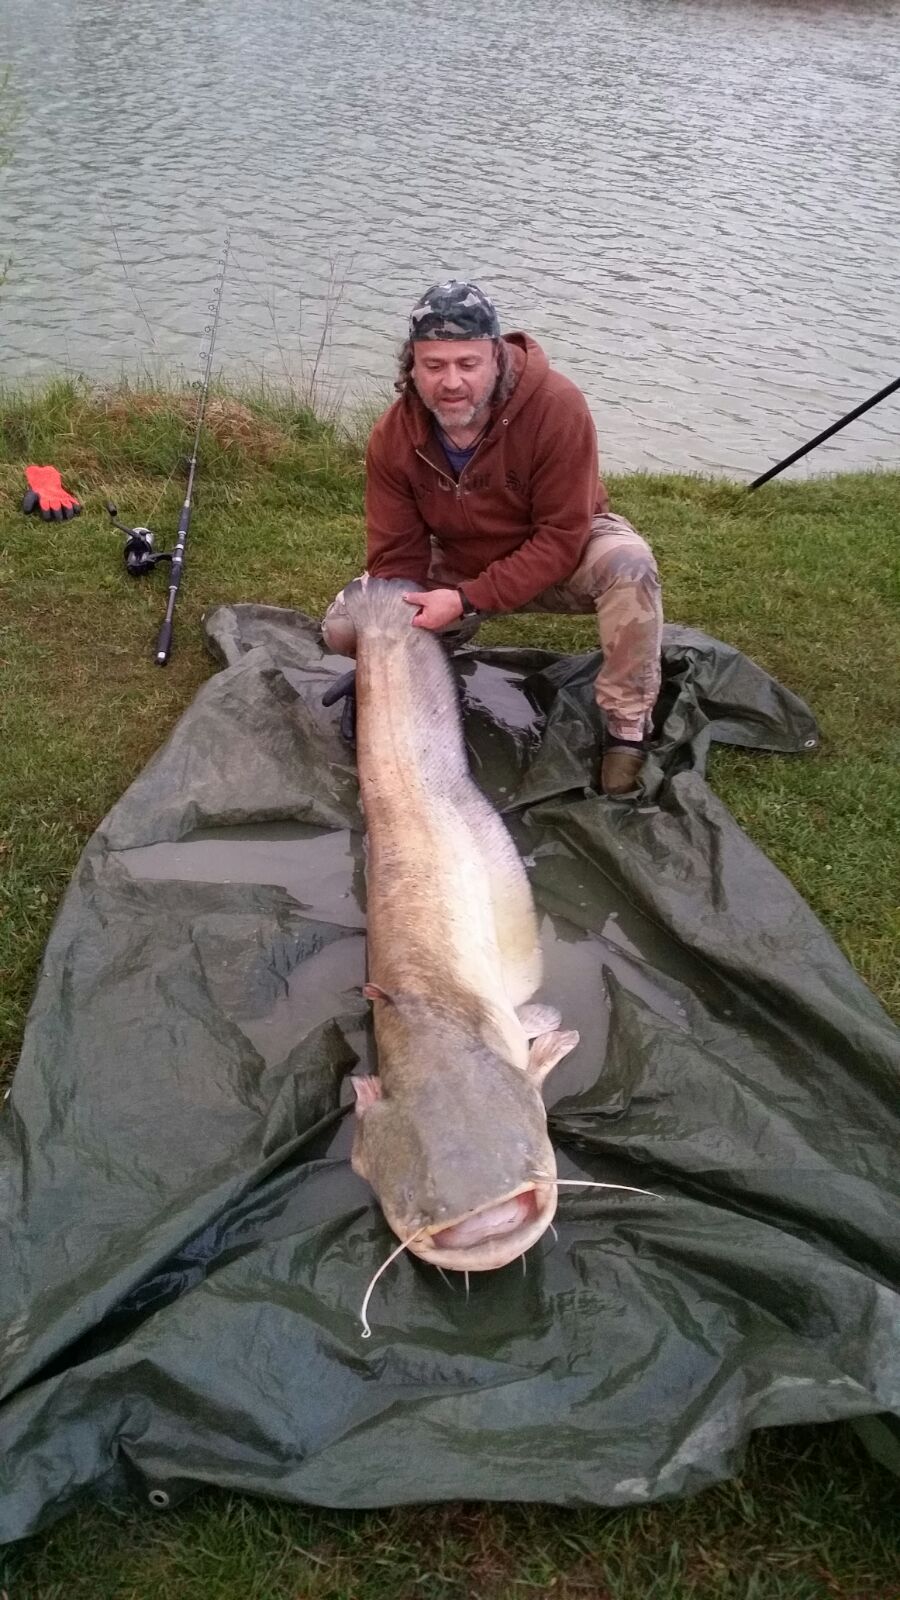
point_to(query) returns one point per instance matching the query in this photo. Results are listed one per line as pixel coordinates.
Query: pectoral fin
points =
(374, 991)
(547, 1050)
(538, 1019)
(367, 1090)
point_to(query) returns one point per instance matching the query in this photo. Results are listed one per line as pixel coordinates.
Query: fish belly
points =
(441, 865)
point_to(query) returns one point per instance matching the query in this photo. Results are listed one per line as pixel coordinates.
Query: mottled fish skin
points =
(457, 1125)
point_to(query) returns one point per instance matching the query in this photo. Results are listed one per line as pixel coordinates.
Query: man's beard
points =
(462, 419)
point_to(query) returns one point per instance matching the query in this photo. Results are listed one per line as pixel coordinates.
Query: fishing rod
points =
(820, 438)
(139, 554)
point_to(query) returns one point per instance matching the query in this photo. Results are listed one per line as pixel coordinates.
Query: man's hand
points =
(438, 608)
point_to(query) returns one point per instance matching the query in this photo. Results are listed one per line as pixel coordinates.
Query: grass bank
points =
(803, 577)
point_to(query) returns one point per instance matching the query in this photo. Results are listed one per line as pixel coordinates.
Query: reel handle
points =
(114, 514)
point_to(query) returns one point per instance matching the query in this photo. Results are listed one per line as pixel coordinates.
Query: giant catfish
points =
(452, 1133)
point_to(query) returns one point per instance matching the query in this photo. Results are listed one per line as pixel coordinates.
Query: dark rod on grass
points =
(164, 637)
(821, 437)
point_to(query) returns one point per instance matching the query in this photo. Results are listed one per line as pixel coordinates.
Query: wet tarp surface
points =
(187, 1249)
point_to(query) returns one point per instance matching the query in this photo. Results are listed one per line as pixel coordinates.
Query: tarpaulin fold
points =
(186, 1249)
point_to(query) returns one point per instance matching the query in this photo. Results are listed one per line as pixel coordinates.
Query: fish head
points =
(458, 1152)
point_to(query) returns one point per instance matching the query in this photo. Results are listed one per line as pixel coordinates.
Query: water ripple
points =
(693, 205)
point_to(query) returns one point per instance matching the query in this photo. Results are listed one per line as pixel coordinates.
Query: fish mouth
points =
(494, 1235)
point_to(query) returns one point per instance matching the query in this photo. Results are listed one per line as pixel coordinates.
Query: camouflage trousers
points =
(618, 581)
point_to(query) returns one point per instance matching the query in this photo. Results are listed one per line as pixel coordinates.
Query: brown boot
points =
(619, 769)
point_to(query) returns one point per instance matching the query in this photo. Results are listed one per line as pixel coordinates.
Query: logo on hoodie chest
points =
(476, 481)
(471, 483)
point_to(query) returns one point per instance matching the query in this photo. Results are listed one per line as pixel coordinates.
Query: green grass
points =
(803, 577)
(808, 1519)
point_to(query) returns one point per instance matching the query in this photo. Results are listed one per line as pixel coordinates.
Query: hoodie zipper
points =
(456, 483)
(435, 468)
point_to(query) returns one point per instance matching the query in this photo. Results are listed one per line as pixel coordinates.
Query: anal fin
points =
(515, 919)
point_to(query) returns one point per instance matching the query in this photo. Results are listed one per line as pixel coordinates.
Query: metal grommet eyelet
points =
(158, 1499)
(810, 744)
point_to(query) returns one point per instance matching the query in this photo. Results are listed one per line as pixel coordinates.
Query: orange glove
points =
(47, 495)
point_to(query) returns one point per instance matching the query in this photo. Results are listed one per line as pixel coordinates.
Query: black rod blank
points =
(164, 637)
(820, 438)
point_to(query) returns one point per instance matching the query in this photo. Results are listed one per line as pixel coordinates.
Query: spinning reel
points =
(139, 554)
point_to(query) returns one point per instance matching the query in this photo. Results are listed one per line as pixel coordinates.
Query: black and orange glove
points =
(47, 495)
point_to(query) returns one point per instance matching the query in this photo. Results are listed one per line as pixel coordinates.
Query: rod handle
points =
(163, 642)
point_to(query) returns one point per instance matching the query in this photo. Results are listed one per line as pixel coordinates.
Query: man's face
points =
(455, 378)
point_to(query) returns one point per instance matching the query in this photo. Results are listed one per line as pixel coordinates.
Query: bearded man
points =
(483, 492)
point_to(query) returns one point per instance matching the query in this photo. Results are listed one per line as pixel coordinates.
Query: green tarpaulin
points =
(187, 1249)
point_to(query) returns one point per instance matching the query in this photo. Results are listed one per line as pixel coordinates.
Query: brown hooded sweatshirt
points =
(519, 517)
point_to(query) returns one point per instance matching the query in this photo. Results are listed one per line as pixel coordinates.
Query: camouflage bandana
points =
(454, 311)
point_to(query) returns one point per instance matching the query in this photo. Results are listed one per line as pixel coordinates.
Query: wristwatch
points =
(468, 610)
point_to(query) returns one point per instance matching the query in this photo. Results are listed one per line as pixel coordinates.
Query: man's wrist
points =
(468, 610)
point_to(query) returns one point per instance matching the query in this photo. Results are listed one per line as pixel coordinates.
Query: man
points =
(483, 493)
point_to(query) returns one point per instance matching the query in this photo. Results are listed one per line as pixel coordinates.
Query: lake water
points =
(693, 204)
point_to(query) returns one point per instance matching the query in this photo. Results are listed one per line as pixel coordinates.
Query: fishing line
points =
(131, 289)
(139, 554)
